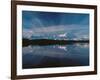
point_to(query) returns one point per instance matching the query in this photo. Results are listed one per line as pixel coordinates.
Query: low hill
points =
(51, 42)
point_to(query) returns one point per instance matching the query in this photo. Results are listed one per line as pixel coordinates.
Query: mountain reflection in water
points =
(55, 55)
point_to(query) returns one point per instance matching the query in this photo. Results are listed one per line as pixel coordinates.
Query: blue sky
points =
(54, 25)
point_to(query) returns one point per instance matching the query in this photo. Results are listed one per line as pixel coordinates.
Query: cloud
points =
(57, 28)
(27, 33)
(76, 30)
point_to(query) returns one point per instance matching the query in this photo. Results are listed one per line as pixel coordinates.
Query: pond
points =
(55, 55)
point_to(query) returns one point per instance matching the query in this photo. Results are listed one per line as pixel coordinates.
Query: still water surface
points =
(55, 56)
